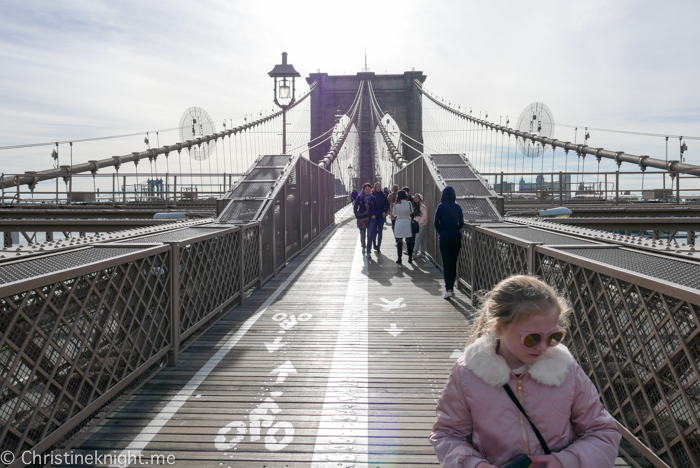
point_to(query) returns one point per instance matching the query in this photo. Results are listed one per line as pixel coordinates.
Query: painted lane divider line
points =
(153, 428)
(393, 331)
(347, 389)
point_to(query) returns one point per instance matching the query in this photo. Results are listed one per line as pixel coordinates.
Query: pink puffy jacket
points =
(478, 422)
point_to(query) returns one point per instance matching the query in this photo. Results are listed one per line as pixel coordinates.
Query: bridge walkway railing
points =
(337, 361)
(636, 304)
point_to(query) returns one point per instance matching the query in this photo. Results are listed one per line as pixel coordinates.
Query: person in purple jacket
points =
(448, 223)
(515, 353)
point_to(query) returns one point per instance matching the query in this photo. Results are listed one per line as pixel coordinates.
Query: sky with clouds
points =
(80, 69)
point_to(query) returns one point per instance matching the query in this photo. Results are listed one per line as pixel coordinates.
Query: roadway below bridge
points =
(338, 361)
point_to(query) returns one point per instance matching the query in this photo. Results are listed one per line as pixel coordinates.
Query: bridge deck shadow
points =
(342, 369)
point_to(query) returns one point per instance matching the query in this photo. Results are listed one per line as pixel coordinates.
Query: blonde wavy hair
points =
(515, 299)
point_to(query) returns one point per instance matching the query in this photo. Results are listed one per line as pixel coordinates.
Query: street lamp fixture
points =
(283, 90)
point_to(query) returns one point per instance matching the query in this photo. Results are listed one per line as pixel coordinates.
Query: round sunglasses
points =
(530, 340)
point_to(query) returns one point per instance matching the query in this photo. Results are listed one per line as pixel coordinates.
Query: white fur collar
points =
(551, 367)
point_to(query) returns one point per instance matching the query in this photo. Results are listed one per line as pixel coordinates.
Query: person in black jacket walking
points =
(381, 209)
(448, 223)
(364, 209)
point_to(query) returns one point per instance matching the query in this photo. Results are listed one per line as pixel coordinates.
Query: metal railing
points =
(78, 326)
(635, 328)
(80, 323)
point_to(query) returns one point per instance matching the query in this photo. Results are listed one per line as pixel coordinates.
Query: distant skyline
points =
(73, 70)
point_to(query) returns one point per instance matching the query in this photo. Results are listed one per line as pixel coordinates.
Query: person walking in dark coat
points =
(381, 209)
(448, 223)
(364, 209)
(353, 196)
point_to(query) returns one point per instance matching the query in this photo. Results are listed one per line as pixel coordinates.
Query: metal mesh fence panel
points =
(265, 173)
(668, 269)
(274, 160)
(641, 347)
(540, 236)
(240, 210)
(251, 190)
(477, 210)
(23, 270)
(280, 229)
(469, 187)
(171, 236)
(69, 342)
(292, 215)
(456, 172)
(447, 159)
(209, 277)
(251, 252)
(497, 259)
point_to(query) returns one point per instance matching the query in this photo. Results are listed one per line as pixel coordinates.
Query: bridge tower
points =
(397, 96)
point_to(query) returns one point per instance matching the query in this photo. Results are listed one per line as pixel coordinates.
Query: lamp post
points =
(283, 89)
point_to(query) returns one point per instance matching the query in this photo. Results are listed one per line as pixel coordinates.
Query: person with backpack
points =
(448, 223)
(364, 209)
(381, 209)
(517, 396)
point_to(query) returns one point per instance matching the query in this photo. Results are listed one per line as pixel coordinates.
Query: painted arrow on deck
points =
(275, 345)
(283, 371)
(389, 305)
(393, 330)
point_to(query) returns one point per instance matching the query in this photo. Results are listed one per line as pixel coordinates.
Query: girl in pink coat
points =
(516, 341)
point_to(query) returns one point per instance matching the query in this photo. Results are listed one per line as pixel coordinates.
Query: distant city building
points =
(542, 185)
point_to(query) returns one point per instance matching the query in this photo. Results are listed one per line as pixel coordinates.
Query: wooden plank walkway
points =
(336, 362)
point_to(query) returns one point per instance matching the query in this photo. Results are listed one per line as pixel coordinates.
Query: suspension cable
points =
(618, 156)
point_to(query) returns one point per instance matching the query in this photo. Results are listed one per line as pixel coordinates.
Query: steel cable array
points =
(378, 114)
(582, 150)
(328, 159)
(32, 178)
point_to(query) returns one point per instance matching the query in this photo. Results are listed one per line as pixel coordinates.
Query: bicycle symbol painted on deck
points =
(259, 420)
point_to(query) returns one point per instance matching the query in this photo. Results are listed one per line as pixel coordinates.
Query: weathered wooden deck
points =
(335, 362)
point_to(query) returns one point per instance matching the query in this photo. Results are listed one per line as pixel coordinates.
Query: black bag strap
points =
(522, 410)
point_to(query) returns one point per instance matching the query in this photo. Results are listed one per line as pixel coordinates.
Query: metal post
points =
(551, 185)
(241, 242)
(124, 191)
(260, 252)
(56, 191)
(561, 188)
(167, 191)
(617, 187)
(114, 187)
(284, 131)
(606, 187)
(70, 185)
(501, 183)
(175, 190)
(531, 255)
(678, 188)
(174, 353)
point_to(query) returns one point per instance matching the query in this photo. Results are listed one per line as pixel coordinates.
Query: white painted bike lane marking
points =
(153, 428)
(347, 391)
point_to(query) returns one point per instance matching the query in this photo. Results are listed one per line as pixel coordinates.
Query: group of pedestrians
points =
(409, 222)
(371, 207)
